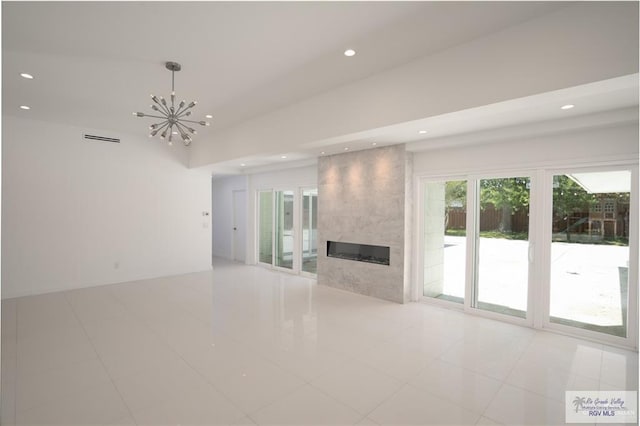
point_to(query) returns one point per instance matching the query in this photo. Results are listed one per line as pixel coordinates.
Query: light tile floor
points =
(243, 345)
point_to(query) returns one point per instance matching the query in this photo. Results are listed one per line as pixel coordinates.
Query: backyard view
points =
(589, 249)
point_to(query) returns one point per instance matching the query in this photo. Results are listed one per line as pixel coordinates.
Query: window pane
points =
(503, 246)
(309, 230)
(445, 241)
(265, 226)
(590, 251)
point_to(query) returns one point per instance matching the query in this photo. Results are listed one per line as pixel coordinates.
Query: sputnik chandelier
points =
(171, 116)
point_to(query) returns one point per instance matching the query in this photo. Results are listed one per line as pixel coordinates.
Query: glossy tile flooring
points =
(243, 345)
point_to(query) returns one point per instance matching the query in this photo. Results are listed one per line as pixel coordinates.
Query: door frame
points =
(234, 225)
(301, 236)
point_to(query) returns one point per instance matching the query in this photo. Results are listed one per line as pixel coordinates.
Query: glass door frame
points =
(547, 226)
(272, 265)
(419, 196)
(257, 226)
(297, 229)
(472, 235)
(301, 233)
(540, 227)
(295, 267)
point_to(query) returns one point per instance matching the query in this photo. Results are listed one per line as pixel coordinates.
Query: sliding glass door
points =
(309, 230)
(265, 227)
(284, 240)
(287, 229)
(589, 268)
(502, 246)
(445, 241)
(549, 249)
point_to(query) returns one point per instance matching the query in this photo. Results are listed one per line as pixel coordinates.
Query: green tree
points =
(455, 195)
(569, 198)
(507, 194)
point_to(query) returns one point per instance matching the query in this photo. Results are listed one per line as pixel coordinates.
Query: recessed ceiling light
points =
(208, 116)
(374, 144)
(422, 132)
(349, 52)
(322, 153)
(174, 132)
(27, 76)
(346, 148)
(283, 157)
(24, 107)
(242, 164)
(568, 106)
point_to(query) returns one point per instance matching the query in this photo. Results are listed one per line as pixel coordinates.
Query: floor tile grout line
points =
(113, 383)
(153, 332)
(503, 381)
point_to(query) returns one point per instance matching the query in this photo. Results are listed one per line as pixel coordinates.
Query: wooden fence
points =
(490, 219)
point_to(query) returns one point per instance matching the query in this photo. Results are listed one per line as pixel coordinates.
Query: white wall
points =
(284, 179)
(577, 44)
(574, 148)
(77, 213)
(222, 213)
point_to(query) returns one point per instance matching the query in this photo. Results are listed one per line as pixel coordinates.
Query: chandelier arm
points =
(184, 109)
(195, 122)
(158, 129)
(163, 107)
(157, 125)
(155, 116)
(164, 126)
(183, 113)
(182, 128)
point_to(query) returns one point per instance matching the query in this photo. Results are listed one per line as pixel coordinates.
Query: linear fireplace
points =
(358, 252)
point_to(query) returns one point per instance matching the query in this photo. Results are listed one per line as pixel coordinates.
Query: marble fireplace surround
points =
(363, 198)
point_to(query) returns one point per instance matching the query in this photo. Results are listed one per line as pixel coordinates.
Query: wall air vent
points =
(99, 138)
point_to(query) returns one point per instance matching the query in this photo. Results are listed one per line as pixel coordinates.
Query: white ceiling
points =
(96, 62)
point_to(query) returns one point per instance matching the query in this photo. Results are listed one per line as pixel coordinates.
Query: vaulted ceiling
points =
(96, 62)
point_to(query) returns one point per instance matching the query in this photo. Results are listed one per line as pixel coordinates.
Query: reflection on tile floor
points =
(244, 345)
